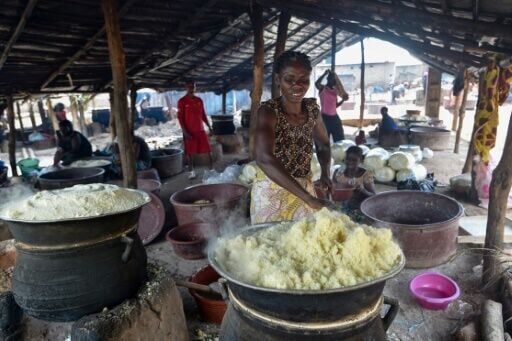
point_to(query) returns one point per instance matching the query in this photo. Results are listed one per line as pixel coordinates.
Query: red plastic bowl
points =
(190, 240)
(433, 290)
(341, 192)
(211, 309)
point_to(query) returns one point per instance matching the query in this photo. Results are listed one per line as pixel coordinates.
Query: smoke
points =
(11, 196)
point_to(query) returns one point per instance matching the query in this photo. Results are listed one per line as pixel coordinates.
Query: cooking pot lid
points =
(151, 220)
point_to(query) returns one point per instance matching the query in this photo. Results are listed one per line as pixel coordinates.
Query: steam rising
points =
(11, 196)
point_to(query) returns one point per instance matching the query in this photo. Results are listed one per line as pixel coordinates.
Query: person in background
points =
(71, 145)
(60, 112)
(387, 123)
(329, 103)
(360, 138)
(141, 152)
(192, 117)
(356, 176)
(286, 130)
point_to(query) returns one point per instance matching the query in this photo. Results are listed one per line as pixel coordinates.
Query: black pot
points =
(64, 285)
(246, 118)
(69, 177)
(305, 305)
(223, 125)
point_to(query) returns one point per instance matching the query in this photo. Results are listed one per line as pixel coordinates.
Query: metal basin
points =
(69, 177)
(223, 200)
(430, 137)
(167, 162)
(425, 224)
(304, 305)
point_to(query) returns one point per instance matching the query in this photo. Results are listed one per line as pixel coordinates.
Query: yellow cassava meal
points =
(324, 251)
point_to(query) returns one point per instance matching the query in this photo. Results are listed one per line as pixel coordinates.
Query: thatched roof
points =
(51, 45)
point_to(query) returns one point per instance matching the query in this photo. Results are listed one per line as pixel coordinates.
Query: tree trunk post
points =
(81, 111)
(12, 136)
(120, 92)
(40, 108)
(133, 106)
(73, 107)
(462, 112)
(20, 119)
(224, 104)
(282, 35)
(433, 97)
(31, 111)
(499, 191)
(256, 15)
(53, 118)
(361, 107)
(111, 121)
(333, 49)
(456, 110)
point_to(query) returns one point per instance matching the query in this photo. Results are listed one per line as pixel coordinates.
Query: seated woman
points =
(356, 176)
(141, 153)
(72, 145)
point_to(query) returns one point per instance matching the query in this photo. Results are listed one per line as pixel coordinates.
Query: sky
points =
(375, 50)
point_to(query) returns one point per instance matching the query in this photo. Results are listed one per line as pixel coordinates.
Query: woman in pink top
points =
(328, 104)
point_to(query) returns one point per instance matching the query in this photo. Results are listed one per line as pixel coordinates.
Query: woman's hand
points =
(317, 204)
(325, 183)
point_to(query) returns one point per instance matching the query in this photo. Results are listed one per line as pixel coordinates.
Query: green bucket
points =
(28, 166)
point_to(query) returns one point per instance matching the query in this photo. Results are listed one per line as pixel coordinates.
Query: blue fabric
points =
(388, 123)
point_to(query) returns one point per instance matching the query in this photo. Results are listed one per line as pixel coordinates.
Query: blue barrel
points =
(101, 116)
(156, 113)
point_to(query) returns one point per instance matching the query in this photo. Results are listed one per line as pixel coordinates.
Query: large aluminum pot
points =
(425, 224)
(69, 177)
(304, 305)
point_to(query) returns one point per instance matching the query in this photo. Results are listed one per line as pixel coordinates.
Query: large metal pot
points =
(223, 200)
(69, 177)
(167, 162)
(223, 124)
(73, 267)
(430, 137)
(304, 305)
(425, 224)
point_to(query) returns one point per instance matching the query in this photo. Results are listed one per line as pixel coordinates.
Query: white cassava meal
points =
(79, 201)
(324, 251)
(90, 163)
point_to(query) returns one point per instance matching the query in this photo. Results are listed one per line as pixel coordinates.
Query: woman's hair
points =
(66, 123)
(355, 150)
(287, 58)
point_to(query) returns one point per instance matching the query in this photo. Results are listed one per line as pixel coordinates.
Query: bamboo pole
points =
(462, 111)
(361, 107)
(499, 191)
(282, 35)
(31, 112)
(120, 92)
(256, 15)
(53, 118)
(12, 136)
(20, 119)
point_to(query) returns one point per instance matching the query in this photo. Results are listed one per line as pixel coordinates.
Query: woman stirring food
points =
(286, 129)
(356, 176)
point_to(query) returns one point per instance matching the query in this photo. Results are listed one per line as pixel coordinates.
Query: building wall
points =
(408, 73)
(380, 74)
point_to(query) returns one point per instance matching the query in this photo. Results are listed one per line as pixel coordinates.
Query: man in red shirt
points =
(191, 116)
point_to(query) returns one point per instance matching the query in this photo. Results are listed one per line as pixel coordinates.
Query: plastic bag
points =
(427, 185)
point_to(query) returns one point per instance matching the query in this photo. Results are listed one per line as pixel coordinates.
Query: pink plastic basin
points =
(433, 290)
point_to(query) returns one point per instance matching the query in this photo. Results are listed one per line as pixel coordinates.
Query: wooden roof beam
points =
(17, 32)
(84, 48)
(229, 48)
(476, 5)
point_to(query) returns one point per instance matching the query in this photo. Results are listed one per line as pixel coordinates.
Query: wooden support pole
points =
(468, 164)
(361, 107)
(224, 93)
(282, 35)
(333, 48)
(256, 15)
(133, 106)
(12, 136)
(73, 107)
(42, 114)
(53, 118)
(433, 97)
(499, 191)
(462, 111)
(20, 119)
(31, 112)
(492, 321)
(81, 113)
(120, 92)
